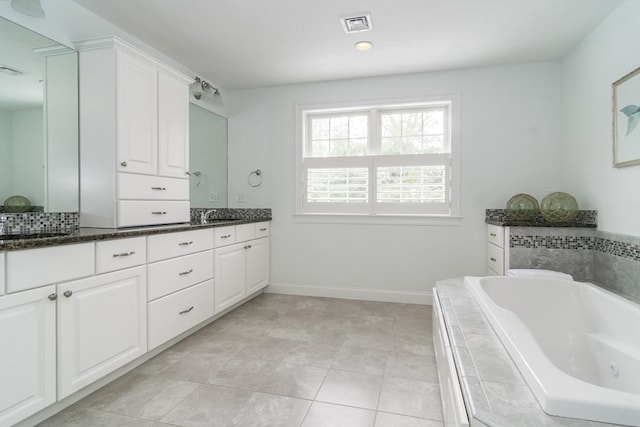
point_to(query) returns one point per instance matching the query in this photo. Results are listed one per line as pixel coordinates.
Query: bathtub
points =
(577, 346)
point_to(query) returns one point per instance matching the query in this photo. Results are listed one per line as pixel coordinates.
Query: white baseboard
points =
(406, 297)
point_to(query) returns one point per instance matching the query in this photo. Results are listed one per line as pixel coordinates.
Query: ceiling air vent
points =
(358, 23)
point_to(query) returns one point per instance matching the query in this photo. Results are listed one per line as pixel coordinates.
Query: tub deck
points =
(494, 391)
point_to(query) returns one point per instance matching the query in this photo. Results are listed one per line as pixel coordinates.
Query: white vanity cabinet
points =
(134, 137)
(497, 250)
(2, 274)
(102, 325)
(28, 353)
(241, 269)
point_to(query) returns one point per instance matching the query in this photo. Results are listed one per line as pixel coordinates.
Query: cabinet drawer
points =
(31, 268)
(171, 245)
(147, 187)
(245, 232)
(142, 212)
(224, 236)
(495, 258)
(262, 229)
(495, 235)
(171, 315)
(121, 253)
(172, 275)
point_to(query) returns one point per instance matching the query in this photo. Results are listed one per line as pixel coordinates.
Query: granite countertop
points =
(494, 391)
(510, 223)
(95, 234)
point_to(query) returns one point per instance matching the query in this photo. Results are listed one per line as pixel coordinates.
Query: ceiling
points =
(256, 43)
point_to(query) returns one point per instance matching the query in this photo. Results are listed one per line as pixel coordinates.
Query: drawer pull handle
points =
(248, 247)
(186, 311)
(493, 234)
(67, 293)
(225, 236)
(190, 242)
(158, 188)
(184, 273)
(159, 213)
(263, 229)
(493, 259)
(124, 254)
(53, 296)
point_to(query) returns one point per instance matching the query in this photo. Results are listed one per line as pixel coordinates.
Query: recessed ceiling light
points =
(363, 45)
(356, 22)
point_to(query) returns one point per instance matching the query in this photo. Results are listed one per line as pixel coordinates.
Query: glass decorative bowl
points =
(17, 204)
(522, 207)
(559, 207)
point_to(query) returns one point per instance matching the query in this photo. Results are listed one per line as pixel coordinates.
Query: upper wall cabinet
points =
(134, 137)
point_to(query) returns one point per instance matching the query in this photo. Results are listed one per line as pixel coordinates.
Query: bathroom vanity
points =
(101, 302)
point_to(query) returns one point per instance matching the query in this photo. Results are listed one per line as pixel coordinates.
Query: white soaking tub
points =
(576, 345)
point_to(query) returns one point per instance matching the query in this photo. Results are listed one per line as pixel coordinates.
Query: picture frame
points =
(626, 120)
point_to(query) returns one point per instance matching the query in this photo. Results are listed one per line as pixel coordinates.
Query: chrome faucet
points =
(205, 215)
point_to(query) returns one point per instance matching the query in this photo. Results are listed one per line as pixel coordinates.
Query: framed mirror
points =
(207, 158)
(38, 122)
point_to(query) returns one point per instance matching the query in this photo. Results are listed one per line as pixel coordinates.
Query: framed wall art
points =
(626, 120)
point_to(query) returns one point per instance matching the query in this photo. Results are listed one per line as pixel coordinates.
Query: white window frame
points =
(374, 212)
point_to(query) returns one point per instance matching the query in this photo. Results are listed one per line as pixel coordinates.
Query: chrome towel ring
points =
(255, 178)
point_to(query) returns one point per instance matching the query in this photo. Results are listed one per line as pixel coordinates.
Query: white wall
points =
(509, 133)
(608, 53)
(6, 148)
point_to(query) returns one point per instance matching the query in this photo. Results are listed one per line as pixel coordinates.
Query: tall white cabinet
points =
(134, 137)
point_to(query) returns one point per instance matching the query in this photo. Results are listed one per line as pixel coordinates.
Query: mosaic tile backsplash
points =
(585, 218)
(35, 222)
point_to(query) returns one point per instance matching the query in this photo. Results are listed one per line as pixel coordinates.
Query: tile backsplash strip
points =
(36, 222)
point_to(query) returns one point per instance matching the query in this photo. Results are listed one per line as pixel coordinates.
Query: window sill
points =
(378, 219)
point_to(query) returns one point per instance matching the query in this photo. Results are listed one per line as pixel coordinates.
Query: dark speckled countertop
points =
(96, 234)
(539, 224)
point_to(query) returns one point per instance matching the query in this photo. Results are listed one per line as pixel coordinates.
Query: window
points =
(393, 159)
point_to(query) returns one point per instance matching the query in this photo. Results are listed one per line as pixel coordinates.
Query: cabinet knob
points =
(492, 234)
(186, 311)
(67, 293)
(53, 296)
(124, 254)
(123, 164)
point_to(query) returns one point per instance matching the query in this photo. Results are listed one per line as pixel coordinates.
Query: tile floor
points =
(282, 361)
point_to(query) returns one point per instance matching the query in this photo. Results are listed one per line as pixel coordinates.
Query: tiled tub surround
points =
(494, 391)
(609, 260)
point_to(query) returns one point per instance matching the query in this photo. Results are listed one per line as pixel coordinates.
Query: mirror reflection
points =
(38, 122)
(207, 158)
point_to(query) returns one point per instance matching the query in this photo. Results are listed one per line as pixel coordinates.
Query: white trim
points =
(319, 218)
(406, 297)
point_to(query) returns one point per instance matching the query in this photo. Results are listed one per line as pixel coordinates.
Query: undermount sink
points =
(24, 236)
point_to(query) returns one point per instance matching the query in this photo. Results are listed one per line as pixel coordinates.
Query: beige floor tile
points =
(161, 362)
(384, 419)
(76, 416)
(359, 359)
(411, 397)
(294, 381)
(412, 366)
(248, 374)
(196, 367)
(330, 415)
(350, 389)
(264, 410)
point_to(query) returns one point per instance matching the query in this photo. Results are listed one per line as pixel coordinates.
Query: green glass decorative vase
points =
(17, 204)
(522, 207)
(559, 207)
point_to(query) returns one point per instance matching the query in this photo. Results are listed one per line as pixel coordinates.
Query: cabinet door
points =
(173, 130)
(28, 353)
(102, 325)
(257, 264)
(136, 115)
(229, 273)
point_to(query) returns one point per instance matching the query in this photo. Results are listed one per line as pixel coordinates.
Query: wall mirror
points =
(38, 121)
(207, 158)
